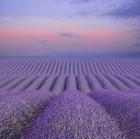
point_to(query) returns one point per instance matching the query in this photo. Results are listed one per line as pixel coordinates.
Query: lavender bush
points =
(18, 110)
(124, 107)
(74, 116)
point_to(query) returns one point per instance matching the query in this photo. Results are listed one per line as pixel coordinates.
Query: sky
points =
(70, 27)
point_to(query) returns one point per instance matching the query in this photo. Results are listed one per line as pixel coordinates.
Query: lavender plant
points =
(74, 116)
(18, 110)
(124, 107)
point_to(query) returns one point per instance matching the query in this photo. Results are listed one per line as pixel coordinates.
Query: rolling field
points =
(68, 74)
(69, 98)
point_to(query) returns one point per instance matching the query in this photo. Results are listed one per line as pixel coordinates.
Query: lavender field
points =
(69, 98)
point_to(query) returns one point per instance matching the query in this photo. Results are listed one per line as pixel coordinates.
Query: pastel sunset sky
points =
(70, 27)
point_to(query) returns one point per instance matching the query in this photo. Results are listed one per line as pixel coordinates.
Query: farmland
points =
(69, 98)
(68, 74)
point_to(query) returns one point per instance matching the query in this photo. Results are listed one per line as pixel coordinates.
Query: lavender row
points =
(18, 110)
(68, 66)
(74, 116)
(99, 115)
(61, 83)
(124, 107)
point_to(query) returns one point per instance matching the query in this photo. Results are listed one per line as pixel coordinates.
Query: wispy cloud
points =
(43, 41)
(81, 1)
(68, 35)
(137, 45)
(119, 8)
(126, 11)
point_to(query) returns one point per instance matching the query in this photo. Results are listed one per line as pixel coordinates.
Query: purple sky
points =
(70, 27)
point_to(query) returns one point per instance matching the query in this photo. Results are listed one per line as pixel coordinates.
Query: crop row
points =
(77, 66)
(85, 83)
(18, 110)
(99, 115)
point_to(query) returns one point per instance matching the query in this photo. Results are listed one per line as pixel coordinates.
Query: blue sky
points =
(82, 27)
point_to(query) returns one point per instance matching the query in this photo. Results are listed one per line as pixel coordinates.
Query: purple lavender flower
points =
(18, 110)
(74, 116)
(124, 107)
